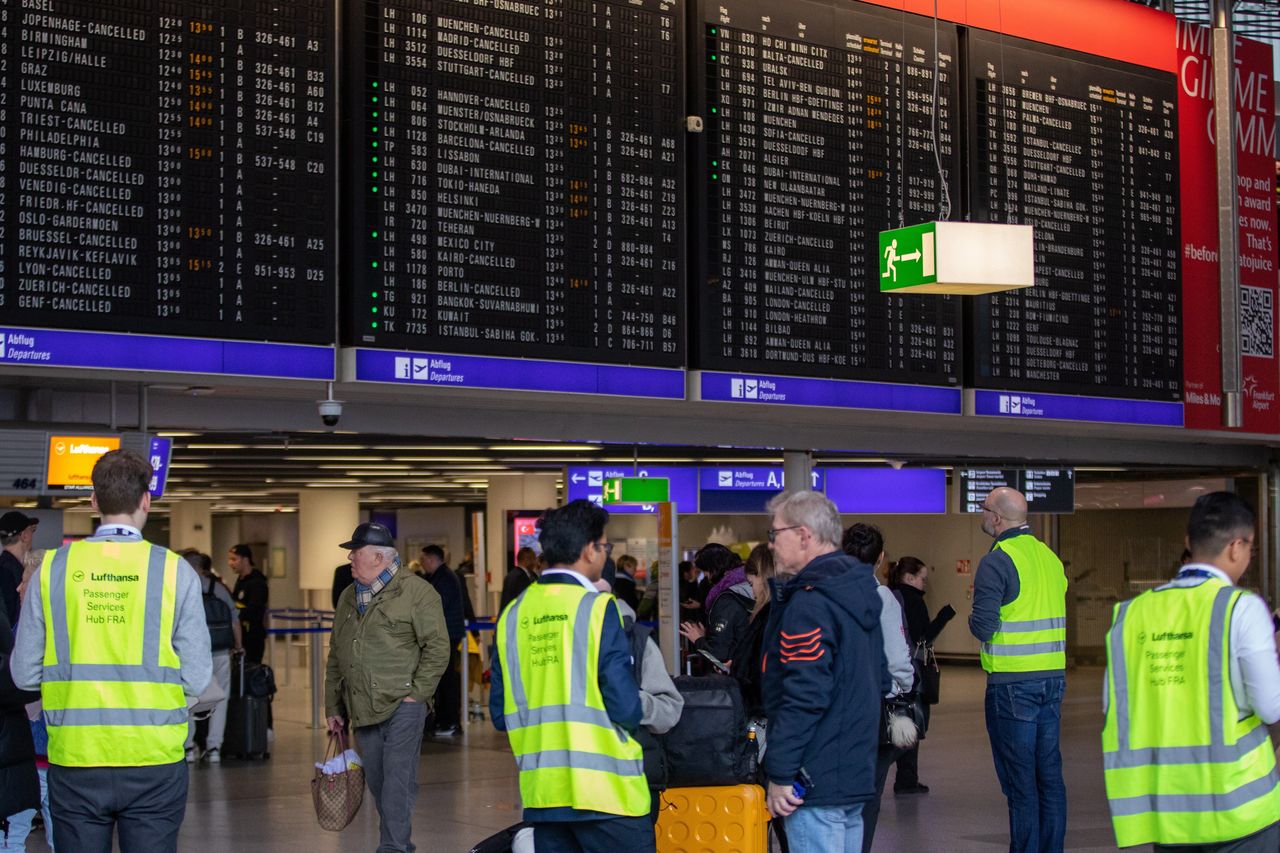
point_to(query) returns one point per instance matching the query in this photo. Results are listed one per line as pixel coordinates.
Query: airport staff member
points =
(113, 634)
(564, 691)
(1192, 682)
(388, 650)
(1020, 616)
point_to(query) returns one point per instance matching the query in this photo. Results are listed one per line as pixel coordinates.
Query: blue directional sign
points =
(159, 458)
(743, 489)
(587, 483)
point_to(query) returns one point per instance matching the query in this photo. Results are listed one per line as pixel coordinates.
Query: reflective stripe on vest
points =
(111, 685)
(1033, 627)
(568, 751)
(1198, 774)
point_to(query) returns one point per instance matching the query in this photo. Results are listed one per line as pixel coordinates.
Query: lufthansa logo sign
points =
(524, 624)
(77, 576)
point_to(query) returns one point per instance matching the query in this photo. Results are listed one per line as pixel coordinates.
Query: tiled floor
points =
(468, 787)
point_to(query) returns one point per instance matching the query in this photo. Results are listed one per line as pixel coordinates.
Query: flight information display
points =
(516, 174)
(1051, 490)
(1085, 150)
(169, 167)
(819, 136)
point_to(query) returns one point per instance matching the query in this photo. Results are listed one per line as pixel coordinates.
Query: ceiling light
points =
(178, 434)
(586, 448)
(414, 448)
(190, 465)
(373, 466)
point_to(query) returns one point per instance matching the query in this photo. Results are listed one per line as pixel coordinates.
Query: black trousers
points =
(254, 639)
(144, 804)
(613, 835)
(885, 757)
(448, 696)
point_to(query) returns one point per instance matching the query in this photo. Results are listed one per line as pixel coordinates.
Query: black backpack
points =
(709, 746)
(218, 616)
(655, 756)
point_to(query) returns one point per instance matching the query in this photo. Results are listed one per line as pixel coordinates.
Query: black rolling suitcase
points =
(247, 713)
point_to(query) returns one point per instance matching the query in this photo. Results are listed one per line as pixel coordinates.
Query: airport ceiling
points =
(264, 471)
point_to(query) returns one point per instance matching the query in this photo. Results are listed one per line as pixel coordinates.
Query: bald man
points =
(1020, 616)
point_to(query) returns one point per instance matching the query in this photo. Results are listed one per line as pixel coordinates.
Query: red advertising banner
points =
(1255, 130)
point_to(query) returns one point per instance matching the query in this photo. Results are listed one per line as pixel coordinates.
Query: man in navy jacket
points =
(824, 674)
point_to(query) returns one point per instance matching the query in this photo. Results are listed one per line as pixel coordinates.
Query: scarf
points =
(365, 594)
(733, 577)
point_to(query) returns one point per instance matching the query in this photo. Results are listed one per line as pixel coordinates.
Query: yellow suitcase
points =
(729, 819)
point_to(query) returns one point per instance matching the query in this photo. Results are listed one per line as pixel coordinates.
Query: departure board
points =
(818, 137)
(1085, 150)
(169, 167)
(516, 175)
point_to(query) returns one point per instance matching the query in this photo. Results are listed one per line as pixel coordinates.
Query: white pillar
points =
(326, 517)
(528, 491)
(191, 526)
(797, 469)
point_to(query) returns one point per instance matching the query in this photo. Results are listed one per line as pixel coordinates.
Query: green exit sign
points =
(907, 258)
(637, 490)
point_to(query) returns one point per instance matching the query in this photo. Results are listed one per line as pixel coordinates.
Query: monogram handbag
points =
(337, 795)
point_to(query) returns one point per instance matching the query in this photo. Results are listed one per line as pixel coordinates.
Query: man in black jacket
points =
(252, 596)
(519, 578)
(454, 600)
(824, 674)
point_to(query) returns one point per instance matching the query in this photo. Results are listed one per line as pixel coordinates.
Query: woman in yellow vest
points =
(1192, 683)
(563, 690)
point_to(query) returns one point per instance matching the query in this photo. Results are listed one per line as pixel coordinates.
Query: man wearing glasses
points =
(563, 690)
(1192, 682)
(1020, 616)
(823, 675)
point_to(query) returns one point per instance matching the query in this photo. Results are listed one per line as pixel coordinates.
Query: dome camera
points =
(330, 412)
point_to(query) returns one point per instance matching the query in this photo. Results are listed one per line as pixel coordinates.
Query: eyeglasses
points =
(986, 508)
(607, 547)
(774, 531)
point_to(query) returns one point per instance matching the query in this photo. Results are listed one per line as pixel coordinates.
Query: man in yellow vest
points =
(113, 634)
(1192, 682)
(564, 691)
(1020, 616)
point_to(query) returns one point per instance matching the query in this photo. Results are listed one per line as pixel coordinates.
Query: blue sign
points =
(831, 393)
(118, 351)
(587, 483)
(518, 374)
(730, 479)
(1063, 407)
(870, 491)
(159, 457)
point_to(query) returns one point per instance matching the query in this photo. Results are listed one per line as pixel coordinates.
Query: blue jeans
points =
(20, 823)
(825, 829)
(1024, 719)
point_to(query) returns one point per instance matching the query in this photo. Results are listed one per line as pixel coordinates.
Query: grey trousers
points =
(1266, 841)
(145, 804)
(389, 751)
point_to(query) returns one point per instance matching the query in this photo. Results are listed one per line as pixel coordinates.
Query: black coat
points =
(516, 582)
(747, 658)
(728, 620)
(19, 784)
(916, 613)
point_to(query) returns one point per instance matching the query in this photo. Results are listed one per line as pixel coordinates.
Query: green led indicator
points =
(375, 174)
(714, 58)
(374, 324)
(375, 233)
(714, 110)
(375, 99)
(375, 159)
(713, 32)
(375, 113)
(375, 309)
(375, 84)
(374, 294)
(375, 189)
(375, 143)
(375, 265)
(715, 162)
(375, 128)
(715, 177)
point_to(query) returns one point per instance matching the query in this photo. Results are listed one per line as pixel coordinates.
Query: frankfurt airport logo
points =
(1010, 404)
(744, 389)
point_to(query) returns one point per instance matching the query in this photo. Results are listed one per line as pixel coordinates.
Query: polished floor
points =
(468, 786)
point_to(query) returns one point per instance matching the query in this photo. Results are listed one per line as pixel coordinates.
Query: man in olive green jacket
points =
(387, 653)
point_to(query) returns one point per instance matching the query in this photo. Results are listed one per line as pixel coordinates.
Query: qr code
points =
(1257, 322)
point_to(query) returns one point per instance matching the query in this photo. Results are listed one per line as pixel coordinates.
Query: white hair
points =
(388, 553)
(811, 510)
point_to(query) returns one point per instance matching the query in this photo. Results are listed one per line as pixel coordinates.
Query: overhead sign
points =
(964, 258)
(72, 457)
(159, 459)
(637, 490)
(732, 479)
(887, 490)
(1051, 490)
(587, 483)
(906, 257)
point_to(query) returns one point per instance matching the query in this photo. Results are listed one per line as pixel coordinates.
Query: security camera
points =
(330, 412)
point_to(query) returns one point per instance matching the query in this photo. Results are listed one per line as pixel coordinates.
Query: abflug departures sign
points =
(818, 138)
(1085, 149)
(169, 168)
(515, 174)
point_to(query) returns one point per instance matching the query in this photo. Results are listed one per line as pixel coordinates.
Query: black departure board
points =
(1048, 490)
(818, 136)
(1085, 150)
(516, 178)
(169, 167)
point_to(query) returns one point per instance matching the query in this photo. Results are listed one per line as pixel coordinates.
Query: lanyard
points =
(1195, 573)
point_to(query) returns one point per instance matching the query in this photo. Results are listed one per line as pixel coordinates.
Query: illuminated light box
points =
(958, 258)
(72, 457)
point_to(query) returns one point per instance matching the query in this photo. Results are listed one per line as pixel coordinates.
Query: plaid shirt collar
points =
(365, 594)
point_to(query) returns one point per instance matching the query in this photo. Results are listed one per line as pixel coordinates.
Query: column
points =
(797, 470)
(191, 526)
(326, 517)
(523, 492)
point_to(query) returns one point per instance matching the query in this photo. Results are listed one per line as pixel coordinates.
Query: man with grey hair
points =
(824, 674)
(388, 650)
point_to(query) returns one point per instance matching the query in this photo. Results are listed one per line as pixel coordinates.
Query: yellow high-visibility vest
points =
(569, 752)
(1181, 764)
(1033, 627)
(112, 687)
